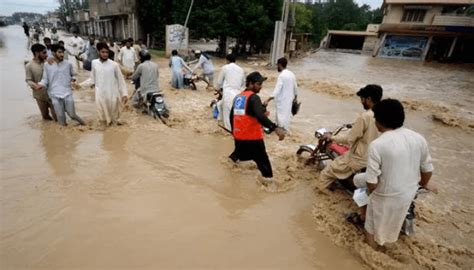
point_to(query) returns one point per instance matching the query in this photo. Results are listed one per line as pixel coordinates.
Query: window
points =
(414, 15)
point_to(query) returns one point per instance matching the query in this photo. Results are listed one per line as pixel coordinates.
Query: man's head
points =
(388, 114)
(58, 52)
(39, 52)
(281, 64)
(174, 53)
(144, 55)
(61, 43)
(91, 39)
(75, 33)
(139, 42)
(370, 95)
(254, 81)
(103, 50)
(230, 58)
(129, 42)
(54, 30)
(47, 42)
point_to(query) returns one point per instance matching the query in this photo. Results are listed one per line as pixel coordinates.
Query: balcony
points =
(453, 20)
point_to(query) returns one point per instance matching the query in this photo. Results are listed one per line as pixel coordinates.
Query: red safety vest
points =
(246, 127)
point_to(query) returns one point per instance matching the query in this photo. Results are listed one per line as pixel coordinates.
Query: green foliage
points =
(250, 21)
(336, 15)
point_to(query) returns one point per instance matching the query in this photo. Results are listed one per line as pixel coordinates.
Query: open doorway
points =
(439, 49)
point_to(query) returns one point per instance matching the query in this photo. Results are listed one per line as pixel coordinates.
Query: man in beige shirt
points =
(358, 138)
(33, 75)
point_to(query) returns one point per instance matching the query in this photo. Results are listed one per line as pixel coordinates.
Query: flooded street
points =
(147, 196)
(141, 196)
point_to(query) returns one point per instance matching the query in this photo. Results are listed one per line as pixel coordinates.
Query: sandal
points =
(356, 220)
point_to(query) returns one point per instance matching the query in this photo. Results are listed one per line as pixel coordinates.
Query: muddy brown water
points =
(135, 197)
(145, 196)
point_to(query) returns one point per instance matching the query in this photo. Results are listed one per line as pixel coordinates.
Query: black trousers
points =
(253, 150)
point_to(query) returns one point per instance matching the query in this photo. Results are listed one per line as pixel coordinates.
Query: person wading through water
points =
(247, 117)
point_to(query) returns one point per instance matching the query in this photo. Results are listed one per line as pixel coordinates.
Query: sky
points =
(7, 7)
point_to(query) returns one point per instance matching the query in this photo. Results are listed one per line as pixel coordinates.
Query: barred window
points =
(414, 15)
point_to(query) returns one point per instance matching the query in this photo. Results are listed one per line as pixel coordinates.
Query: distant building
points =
(81, 22)
(363, 41)
(116, 19)
(441, 30)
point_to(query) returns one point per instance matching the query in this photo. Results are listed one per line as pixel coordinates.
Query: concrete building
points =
(363, 41)
(440, 30)
(81, 22)
(115, 18)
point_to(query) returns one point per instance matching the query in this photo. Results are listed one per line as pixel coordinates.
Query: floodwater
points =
(445, 90)
(147, 196)
(141, 196)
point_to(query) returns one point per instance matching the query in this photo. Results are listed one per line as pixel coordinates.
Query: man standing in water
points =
(284, 94)
(33, 75)
(177, 64)
(128, 56)
(398, 162)
(205, 63)
(76, 45)
(57, 77)
(362, 133)
(231, 80)
(248, 116)
(110, 88)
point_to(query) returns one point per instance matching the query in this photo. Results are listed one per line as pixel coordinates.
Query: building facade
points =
(439, 30)
(116, 19)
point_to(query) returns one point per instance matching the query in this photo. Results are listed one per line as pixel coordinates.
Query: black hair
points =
(373, 91)
(130, 39)
(46, 39)
(389, 113)
(37, 48)
(174, 52)
(102, 45)
(61, 41)
(56, 47)
(230, 58)
(283, 62)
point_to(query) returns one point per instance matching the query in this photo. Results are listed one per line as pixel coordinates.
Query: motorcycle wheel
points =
(304, 149)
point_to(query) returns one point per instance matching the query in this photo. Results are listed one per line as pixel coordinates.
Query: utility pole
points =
(183, 36)
(279, 37)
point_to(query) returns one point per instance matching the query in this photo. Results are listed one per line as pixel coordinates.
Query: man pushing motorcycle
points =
(358, 138)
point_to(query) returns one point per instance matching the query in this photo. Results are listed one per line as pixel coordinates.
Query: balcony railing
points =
(453, 20)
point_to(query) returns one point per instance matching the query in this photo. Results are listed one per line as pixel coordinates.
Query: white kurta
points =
(110, 87)
(128, 58)
(284, 93)
(395, 161)
(74, 47)
(231, 80)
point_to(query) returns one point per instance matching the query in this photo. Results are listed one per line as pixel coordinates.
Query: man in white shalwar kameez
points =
(284, 94)
(110, 88)
(398, 163)
(231, 80)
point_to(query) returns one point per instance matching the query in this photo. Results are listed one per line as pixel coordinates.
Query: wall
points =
(113, 7)
(395, 13)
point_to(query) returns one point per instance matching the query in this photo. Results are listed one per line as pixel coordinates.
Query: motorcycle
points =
(155, 106)
(326, 150)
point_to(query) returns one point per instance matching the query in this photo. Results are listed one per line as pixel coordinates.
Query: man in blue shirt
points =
(57, 78)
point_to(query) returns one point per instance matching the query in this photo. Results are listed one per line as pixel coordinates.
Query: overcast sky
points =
(7, 7)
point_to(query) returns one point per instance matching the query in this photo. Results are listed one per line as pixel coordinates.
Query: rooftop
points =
(444, 2)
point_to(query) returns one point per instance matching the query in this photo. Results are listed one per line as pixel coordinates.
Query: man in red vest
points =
(247, 117)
